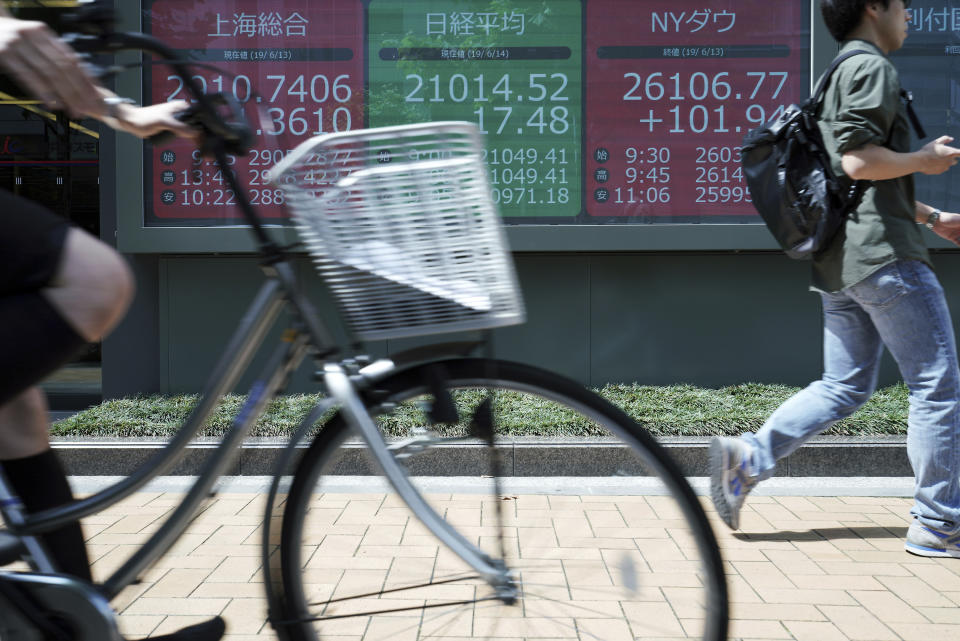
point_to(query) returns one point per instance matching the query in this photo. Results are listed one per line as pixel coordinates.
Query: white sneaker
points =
(729, 481)
(924, 540)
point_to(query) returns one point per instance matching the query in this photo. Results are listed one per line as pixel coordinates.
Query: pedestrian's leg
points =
(37, 477)
(918, 331)
(851, 355)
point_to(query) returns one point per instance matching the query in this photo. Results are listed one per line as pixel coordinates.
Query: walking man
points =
(877, 287)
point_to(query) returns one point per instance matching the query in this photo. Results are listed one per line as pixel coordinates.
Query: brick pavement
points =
(802, 568)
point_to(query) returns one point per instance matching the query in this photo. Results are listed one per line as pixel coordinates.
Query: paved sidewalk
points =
(806, 568)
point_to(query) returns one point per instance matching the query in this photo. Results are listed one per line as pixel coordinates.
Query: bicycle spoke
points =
(331, 617)
(427, 606)
(392, 590)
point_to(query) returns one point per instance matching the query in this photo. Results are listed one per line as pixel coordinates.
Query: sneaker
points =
(729, 481)
(923, 540)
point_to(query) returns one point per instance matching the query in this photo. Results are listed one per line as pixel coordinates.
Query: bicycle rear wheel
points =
(639, 563)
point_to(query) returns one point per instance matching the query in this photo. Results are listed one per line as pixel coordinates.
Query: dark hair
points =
(843, 16)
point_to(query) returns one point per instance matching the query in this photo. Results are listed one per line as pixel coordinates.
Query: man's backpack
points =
(791, 182)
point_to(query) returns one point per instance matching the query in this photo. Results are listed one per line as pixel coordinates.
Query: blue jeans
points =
(903, 307)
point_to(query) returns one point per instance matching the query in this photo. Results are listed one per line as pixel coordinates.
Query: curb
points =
(821, 457)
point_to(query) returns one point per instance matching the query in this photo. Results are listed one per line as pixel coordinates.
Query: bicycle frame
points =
(278, 290)
(309, 335)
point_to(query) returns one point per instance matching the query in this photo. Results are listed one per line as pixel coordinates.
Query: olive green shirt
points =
(862, 106)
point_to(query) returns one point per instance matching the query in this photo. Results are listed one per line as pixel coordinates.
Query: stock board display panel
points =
(515, 72)
(672, 87)
(929, 67)
(296, 62)
(598, 112)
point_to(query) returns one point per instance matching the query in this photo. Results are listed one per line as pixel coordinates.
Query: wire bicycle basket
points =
(402, 227)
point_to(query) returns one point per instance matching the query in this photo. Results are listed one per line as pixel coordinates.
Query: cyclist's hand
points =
(47, 68)
(144, 122)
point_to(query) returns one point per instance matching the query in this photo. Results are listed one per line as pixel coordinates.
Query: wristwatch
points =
(933, 218)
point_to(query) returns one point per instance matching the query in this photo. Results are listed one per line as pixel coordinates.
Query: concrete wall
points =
(705, 319)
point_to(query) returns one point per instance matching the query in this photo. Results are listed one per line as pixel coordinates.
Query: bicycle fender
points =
(434, 352)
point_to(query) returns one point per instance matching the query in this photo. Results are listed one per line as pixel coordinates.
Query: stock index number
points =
(480, 88)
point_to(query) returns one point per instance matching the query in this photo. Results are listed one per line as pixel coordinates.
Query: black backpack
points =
(791, 183)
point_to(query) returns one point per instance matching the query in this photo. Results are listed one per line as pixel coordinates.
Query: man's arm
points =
(873, 162)
(54, 73)
(46, 67)
(144, 122)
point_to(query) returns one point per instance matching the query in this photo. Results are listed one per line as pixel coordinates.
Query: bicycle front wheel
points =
(632, 556)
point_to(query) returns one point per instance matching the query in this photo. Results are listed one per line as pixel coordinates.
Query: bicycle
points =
(409, 244)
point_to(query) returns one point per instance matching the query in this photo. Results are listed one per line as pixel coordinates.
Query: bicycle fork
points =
(493, 571)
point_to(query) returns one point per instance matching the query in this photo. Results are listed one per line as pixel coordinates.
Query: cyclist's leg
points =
(38, 477)
(24, 424)
(92, 287)
(44, 327)
(59, 288)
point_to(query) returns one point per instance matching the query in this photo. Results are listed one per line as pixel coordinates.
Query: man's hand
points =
(948, 227)
(47, 68)
(937, 156)
(144, 122)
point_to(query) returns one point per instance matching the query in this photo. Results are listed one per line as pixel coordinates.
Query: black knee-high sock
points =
(37, 340)
(41, 483)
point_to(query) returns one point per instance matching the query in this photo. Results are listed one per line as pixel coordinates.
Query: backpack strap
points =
(817, 96)
(858, 187)
(906, 96)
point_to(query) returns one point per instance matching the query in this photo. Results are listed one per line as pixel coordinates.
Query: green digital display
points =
(514, 68)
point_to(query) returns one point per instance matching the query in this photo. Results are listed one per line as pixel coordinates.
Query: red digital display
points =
(672, 86)
(299, 61)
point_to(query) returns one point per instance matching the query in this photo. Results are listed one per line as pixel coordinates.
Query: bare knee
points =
(24, 425)
(93, 286)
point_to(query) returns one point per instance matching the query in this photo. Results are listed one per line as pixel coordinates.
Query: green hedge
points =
(680, 410)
